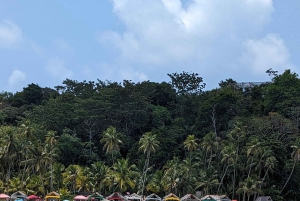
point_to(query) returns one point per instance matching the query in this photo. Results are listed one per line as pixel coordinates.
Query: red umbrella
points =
(33, 197)
(3, 196)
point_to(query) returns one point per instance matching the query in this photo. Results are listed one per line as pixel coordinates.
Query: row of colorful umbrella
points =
(19, 196)
(53, 196)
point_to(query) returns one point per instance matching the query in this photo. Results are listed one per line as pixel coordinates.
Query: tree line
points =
(149, 137)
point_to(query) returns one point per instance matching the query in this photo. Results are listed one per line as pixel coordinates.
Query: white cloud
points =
(268, 52)
(56, 67)
(16, 78)
(131, 74)
(10, 34)
(163, 34)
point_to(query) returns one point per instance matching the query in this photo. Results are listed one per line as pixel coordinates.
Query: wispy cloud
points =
(10, 34)
(16, 78)
(56, 67)
(163, 35)
(268, 52)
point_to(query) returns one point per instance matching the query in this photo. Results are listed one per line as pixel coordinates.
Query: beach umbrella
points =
(34, 197)
(80, 197)
(4, 196)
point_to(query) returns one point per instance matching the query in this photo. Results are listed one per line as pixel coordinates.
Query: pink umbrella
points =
(33, 197)
(3, 196)
(80, 197)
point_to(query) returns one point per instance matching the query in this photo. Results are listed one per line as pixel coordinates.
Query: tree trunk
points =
(145, 172)
(233, 182)
(221, 182)
(289, 176)
(250, 167)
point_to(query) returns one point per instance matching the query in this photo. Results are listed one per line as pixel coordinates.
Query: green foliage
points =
(187, 83)
(150, 137)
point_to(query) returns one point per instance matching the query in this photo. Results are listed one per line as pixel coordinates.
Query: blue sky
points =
(45, 42)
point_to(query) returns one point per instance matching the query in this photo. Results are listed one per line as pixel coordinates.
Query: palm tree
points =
(51, 143)
(99, 170)
(27, 130)
(148, 143)
(254, 149)
(236, 136)
(209, 144)
(111, 141)
(124, 174)
(188, 171)
(172, 175)
(71, 175)
(190, 143)
(34, 185)
(57, 174)
(208, 180)
(249, 186)
(270, 164)
(155, 184)
(38, 160)
(85, 180)
(229, 155)
(15, 184)
(9, 152)
(296, 156)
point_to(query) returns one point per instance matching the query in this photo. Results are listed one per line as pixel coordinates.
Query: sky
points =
(46, 42)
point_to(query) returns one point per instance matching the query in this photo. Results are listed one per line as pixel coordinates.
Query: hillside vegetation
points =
(149, 137)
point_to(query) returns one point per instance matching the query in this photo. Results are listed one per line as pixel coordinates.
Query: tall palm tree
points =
(27, 130)
(296, 156)
(38, 160)
(208, 180)
(99, 170)
(148, 144)
(155, 184)
(209, 144)
(229, 154)
(190, 143)
(58, 169)
(10, 151)
(270, 164)
(188, 171)
(124, 174)
(249, 186)
(255, 150)
(85, 180)
(111, 141)
(172, 175)
(71, 175)
(51, 143)
(236, 136)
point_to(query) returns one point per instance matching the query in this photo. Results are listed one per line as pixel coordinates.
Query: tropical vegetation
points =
(148, 137)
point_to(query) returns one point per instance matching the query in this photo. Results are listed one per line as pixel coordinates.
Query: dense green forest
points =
(148, 137)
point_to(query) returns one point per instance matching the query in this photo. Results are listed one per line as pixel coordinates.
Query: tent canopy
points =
(133, 196)
(53, 196)
(95, 196)
(153, 196)
(4, 196)
(18, 196)
(171, 196)
(190, 197)
(80, 197)
(215, 198)
(264, 198)
(116, 196)
(34, 197)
